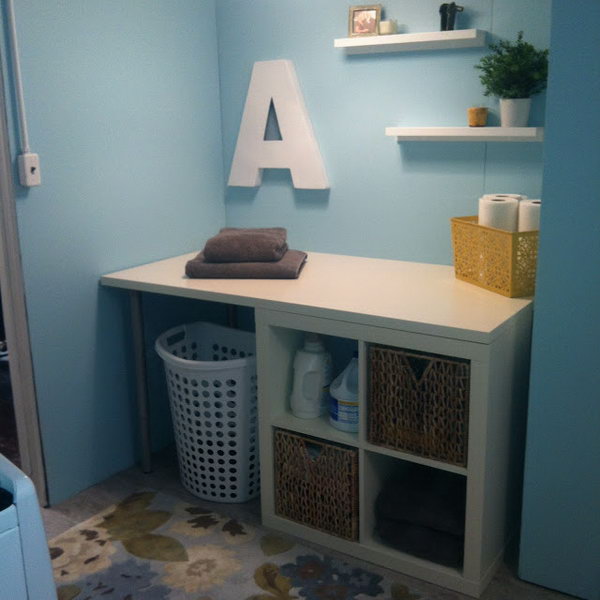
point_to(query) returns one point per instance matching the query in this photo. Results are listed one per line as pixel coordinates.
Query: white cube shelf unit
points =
(466, 134)
(498, 384)
(405, 42)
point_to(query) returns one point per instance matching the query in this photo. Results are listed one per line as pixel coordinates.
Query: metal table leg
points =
(137, 325)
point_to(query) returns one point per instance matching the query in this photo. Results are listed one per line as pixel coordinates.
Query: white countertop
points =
(414, 297)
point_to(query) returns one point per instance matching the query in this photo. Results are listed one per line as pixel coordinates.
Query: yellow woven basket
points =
(500, 261)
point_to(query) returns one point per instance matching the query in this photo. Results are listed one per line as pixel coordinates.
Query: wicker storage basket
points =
(316, 484)
(497, 260)
(419, 403)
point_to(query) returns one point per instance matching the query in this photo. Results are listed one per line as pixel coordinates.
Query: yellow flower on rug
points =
(84, 552)
(207, 567)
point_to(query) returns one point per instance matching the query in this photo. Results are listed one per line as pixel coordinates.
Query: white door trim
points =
(15, 319)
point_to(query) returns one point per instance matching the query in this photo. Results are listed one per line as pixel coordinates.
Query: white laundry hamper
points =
(211, 378)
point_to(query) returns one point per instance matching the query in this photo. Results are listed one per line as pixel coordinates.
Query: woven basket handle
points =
(313, 450)
(410, 365)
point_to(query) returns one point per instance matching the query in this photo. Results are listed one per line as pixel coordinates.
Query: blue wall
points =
(560, 544)
(386, 200)
(123, 107)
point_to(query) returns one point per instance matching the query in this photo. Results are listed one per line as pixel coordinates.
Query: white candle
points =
(387, 27)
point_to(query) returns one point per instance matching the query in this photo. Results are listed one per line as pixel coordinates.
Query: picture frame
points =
(364, 20)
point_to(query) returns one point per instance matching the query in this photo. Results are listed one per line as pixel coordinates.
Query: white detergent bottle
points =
(312, 376)
(343, 412)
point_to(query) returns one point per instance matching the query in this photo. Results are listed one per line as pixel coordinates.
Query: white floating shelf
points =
(466, 134)
(402, 42)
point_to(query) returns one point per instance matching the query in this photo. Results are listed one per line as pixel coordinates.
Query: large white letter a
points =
(275, 81)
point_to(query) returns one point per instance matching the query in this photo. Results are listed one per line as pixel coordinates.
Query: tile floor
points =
(59, 518)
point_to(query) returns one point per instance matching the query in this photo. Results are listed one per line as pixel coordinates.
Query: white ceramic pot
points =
(514, 112)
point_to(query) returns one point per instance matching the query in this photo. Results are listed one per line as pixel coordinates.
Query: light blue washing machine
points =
(25, 570)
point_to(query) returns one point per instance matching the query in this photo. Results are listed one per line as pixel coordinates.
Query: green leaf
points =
(68, 592)
(156, 547)
(203, 521)
(124, 525)
(136, 502)
(233, 528)
(275, 544)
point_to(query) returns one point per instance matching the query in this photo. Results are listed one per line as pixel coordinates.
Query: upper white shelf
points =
(435, 40)
(466, 134)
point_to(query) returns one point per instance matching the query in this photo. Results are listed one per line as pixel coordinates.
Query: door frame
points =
(12, 289)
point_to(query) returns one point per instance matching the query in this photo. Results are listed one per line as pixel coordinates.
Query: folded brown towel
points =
(246, 245)
(288, 267)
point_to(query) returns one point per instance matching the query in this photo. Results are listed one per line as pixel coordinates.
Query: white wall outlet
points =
(29, 169)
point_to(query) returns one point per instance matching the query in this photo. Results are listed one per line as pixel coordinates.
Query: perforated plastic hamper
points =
(211, 378)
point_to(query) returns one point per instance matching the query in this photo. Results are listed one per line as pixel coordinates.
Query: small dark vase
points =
(448, 12)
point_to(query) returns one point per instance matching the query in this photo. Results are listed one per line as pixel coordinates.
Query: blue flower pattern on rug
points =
(122, 580)
(325, 578)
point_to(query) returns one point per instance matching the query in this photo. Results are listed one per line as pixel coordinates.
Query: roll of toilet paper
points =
(529, 215)
(499, 212)
(515, 196)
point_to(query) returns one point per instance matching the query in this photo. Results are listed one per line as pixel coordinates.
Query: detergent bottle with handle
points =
(312, 376)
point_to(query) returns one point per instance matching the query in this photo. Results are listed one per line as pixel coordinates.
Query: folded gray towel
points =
(434, 499)
(288, 267)
(278, 231)
(437, 546)
(246, 245)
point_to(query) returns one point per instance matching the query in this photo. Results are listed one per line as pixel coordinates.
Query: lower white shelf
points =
(377, 553)
(466, 134)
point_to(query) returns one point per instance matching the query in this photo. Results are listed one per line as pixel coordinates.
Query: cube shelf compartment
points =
(316, 483)
(418, 403)
(414, 509)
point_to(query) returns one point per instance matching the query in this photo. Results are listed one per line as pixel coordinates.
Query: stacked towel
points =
(424, 542)
(422, 512)
(434, 499)
(246, 245)
(260, 253)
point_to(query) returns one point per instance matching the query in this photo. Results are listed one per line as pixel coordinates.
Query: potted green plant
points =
(514, 72)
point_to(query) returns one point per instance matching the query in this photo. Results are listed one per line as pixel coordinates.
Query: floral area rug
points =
(152, 546)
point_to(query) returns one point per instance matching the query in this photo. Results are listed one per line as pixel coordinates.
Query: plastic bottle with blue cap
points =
(343, 412)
